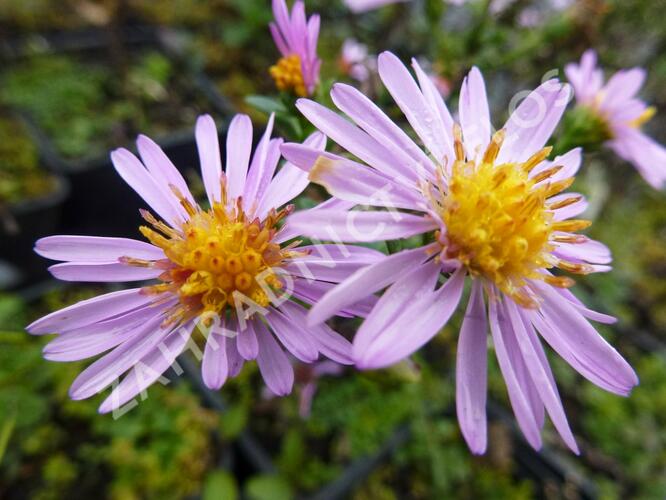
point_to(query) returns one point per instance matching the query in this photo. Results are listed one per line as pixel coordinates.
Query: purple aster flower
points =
(296, 38)
(621, 114)
(225, 270)
(489, 207)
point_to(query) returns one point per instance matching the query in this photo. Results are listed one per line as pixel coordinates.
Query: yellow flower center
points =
(288, 75)
(215, 257)
(498, 223)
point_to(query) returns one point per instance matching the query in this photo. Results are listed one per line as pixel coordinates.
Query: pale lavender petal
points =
(110, 367)
(290, 181)
(410, 159)
(214, 367)
(569, 211)
(410, 287)
(95, 248)
(350, 137)
(541, 376)
(292, 336)
(583, 342)
(435, 100)
(354, 182)
(471, 372)
(133, 173)
(208, 146)
(419, 322)
(589, 251)
(648, 156)
(87, 312)
(519, 402)
(105, 272)
(367, 281)
(160, 167)
(239, 148)
(425, 121)
(622, 86)
(279, 39)
(247, 343)
(261, 170)
(474, 114)
(359, 6)
(273, 363)
(570, 163)
(311, 293)
(532, 123)
(330, 343)
(356, 226)
(148, 369)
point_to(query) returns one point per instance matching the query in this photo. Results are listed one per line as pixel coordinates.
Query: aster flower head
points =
(490, 208)
(296, 38)
(355, 60)
(227, 271)
(619, 114)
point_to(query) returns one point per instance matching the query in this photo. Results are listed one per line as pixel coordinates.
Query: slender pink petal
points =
(622, 86)
(99, 272)
(247, 343)
(273, 364)
(519, 401)
(349, 136)
(290, 181)
(532, 123)
(330, 343)
(471, 372)
(110, 367)
(474, 114)
(356, 226)
(95, 249)
(148, 369)
(311, 293)
(367, 281)
(87, 312)
(370, 118)
(214, 368)
(133, 173)
(261, 170)
(543, 379)
(160, 167)
(208, 146)
(292, 336)
(419, 322)
(239, 148)
(425, 120)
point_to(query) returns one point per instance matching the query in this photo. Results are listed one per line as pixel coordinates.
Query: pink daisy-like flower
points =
(621, 114)
(490, 208)
(226, 270)
(296, 38)
(355, 61)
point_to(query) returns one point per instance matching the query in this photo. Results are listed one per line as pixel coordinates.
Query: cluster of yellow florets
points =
(288, 75)
(498, 222)
(216, 255)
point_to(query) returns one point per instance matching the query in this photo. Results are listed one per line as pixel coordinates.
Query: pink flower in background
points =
(359, 6)
(489, 207)
(296, 38)
(355, 61)
(310, 374)
(622, 113)
(227, 270)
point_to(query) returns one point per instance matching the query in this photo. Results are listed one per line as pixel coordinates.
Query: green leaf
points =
(268, 487)
(220, 484)
(266, 104)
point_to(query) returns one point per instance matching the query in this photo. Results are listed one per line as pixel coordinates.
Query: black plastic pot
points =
(27, 221)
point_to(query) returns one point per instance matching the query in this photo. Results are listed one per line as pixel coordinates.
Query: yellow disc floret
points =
(215, 255)
(498, 223)
(288, 75)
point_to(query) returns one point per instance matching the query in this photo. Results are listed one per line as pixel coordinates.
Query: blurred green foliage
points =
(21, 176)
